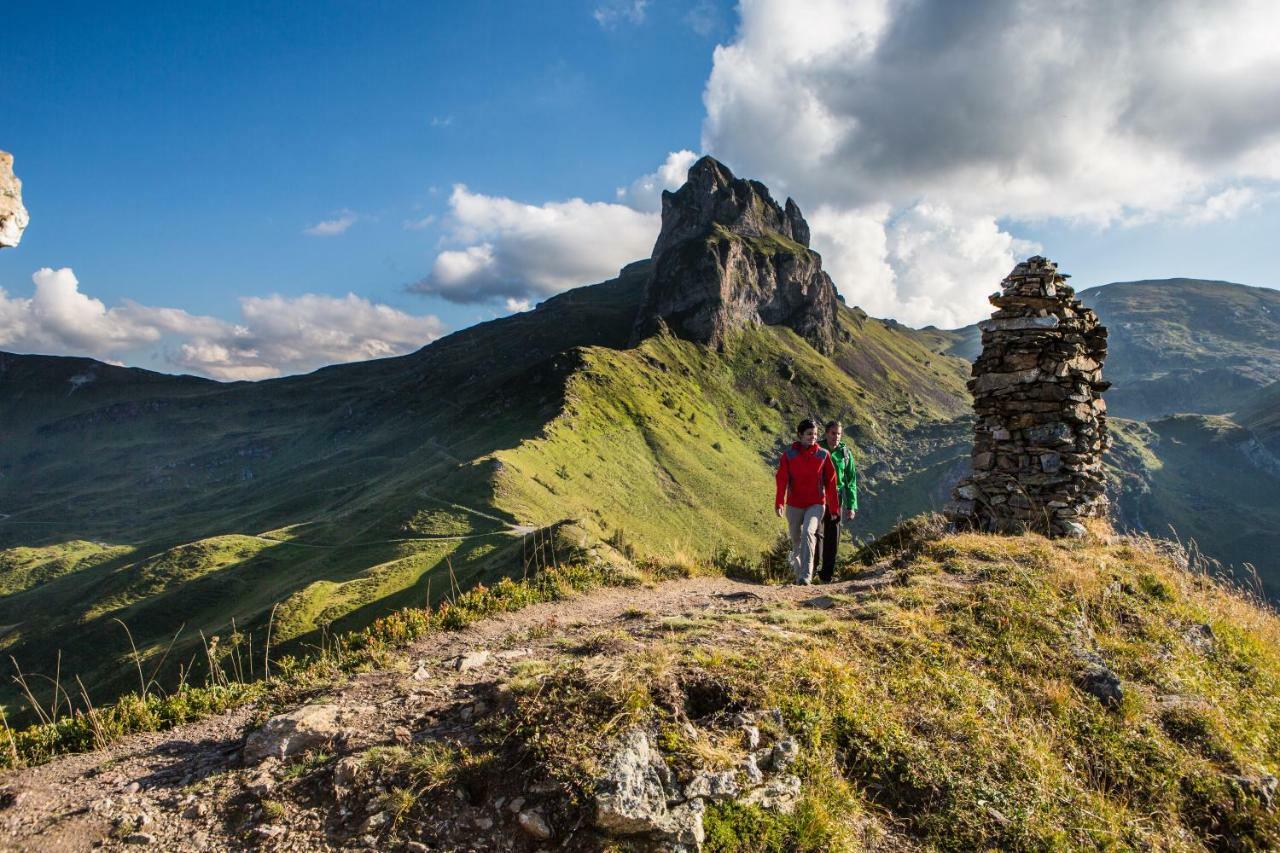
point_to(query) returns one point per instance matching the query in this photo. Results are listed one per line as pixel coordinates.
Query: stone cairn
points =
(1042, 424)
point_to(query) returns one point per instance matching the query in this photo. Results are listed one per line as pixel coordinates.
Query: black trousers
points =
(824, 554)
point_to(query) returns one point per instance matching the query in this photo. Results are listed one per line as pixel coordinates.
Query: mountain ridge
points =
(312, 504)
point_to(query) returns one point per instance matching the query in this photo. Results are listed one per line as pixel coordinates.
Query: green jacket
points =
(846, 474)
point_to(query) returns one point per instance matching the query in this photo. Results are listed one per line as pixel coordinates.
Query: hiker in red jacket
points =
(806, 485)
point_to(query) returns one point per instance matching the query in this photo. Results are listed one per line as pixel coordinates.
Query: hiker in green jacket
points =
(847, 485)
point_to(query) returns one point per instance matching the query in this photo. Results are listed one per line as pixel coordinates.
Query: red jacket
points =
(806, 476)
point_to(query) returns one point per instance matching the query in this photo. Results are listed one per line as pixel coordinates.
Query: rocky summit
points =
(729, 256)
(13, 216)
(1041, 428)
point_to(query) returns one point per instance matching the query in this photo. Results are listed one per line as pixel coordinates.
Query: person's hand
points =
(849, 514)
(778, 511)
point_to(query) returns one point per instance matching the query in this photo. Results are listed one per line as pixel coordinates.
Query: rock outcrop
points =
(295, 732)
(13, 216)
(1042, 428)
(638, 796)
(729, 256)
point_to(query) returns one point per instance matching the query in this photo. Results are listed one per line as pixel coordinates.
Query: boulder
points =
(300, 730)
(630, 797)
(1101, 683)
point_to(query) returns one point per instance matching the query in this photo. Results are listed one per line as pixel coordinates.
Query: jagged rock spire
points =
(729, 256)
(13, 216)
(1042, 425)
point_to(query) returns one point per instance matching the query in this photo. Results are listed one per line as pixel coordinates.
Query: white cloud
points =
(512, 250)
(275, 334)
(923, 265)
(703, 17)
(515, 306)
(1228, 204)
(339, 224)
(936, 119)
(611, 13)
(645, 192)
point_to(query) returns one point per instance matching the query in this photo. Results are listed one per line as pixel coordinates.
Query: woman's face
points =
(809, 436)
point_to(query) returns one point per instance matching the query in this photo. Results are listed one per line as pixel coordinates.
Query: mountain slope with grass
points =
(948, 692)
(157, 512)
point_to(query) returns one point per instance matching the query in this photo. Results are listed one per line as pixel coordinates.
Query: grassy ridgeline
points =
(314, 504)
(949, 711)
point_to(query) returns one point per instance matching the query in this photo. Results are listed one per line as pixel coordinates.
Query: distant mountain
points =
(1177, 345)
(1187, 345)
(322, 501)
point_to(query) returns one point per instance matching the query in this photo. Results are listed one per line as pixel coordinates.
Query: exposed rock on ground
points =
(728, 255)
(307, 728)
(321, 775)
(13, 216)
(944, 692)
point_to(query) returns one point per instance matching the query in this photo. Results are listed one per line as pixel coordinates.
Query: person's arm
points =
(851, 486)
(832, 489)
(780, 485)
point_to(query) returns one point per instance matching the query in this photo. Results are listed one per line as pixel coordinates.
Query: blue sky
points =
(193, 156)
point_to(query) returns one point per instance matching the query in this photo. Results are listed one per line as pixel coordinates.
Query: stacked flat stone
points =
(1041, 422)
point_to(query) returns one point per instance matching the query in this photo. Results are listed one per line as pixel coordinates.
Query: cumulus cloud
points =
(1029, 109)
(923, 265)
(645, 192)
(1227, 204)
(275, 334)
(511, 250)
(611, 13)
(339, 224)
(901, 119)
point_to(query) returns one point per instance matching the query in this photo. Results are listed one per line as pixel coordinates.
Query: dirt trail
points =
(169, 788)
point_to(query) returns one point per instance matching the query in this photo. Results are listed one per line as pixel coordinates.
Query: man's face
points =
(809, 437)
(833, 436)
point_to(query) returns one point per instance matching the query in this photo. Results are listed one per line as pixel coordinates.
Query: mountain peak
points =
(712, 195)
(729, 256)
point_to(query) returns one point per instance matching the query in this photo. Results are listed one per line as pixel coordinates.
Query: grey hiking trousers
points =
(803, 524)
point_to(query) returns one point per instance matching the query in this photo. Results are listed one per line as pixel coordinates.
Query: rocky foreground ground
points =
(959, 691)
(303, 781)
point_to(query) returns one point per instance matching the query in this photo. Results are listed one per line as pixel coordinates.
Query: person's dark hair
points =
(831, 424)
(805, 425)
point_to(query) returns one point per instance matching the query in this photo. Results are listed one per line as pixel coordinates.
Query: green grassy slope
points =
(950, 709)
(169, 502)
(674, 444)
(172, 503)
